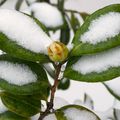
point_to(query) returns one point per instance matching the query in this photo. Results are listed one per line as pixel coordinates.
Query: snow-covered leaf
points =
(11, 116)
(73, 112)
(21, 36)
(49, 15)
(27, 106)
(100, 31)
(96, 67)
(113, 87)
(22, 77)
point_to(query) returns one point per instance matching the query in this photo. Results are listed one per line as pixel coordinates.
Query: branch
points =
(53, 90)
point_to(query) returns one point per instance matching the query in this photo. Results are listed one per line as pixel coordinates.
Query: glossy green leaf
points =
(11, 116)
(25, 106)
(105, 43)
(71, 112)
(39, 87)
(75, 111)
(64, 84)
(65, 33)
(84, 15)
(74, 22)
(9, 44)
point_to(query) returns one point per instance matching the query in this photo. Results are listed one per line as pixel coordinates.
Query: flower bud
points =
(57, 51)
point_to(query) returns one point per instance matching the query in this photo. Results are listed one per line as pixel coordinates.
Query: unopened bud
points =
(57, 51)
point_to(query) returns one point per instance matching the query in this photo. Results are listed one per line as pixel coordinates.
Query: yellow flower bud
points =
(57, 51)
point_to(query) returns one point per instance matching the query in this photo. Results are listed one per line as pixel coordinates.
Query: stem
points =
(53, 90)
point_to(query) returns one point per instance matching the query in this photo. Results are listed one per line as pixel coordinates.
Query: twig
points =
(53, 90)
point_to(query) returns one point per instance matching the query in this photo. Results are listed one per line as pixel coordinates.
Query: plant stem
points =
(53, 90)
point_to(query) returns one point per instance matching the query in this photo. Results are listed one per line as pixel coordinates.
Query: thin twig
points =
(53, 90)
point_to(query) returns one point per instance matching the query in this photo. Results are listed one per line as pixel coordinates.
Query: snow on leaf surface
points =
(102, 28)
(49, 15)
(98, 62)
(76, 114)
(24, 31)
(50, 117)
(18, 74)
(2, 107)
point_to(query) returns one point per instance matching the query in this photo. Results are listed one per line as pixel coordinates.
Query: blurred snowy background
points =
(102, 99)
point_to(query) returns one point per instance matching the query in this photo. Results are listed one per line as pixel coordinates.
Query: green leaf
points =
(61, 4)
(39, 13)
(88, 45)
(38, 87)
(25, 106)
(117, 114)
(84, 15)
(11, 116)
(64, 84)
(65, 33)
(71, 112)
(74, 22)
(94, 68)
(18, 4)
(9, 44)
(60, 115)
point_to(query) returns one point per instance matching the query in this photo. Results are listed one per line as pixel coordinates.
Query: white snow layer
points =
(23, 30)
(59, 102)
(18, 74)
(50, 117)
(2, 107)
(76, 114)
(102, 28)
(49, 15)
(98, 62)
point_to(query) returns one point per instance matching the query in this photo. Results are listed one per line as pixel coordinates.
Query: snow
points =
(35, 117)
(18, 74)
(2, 107)
(114, 85)
(98, 62)
(104, 27)
(59, 102)
(76, 114)
(50, 117)
(31, 1)
(23, 30)
(49, 15)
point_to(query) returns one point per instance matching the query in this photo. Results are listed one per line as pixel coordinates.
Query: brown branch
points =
(53, 90)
